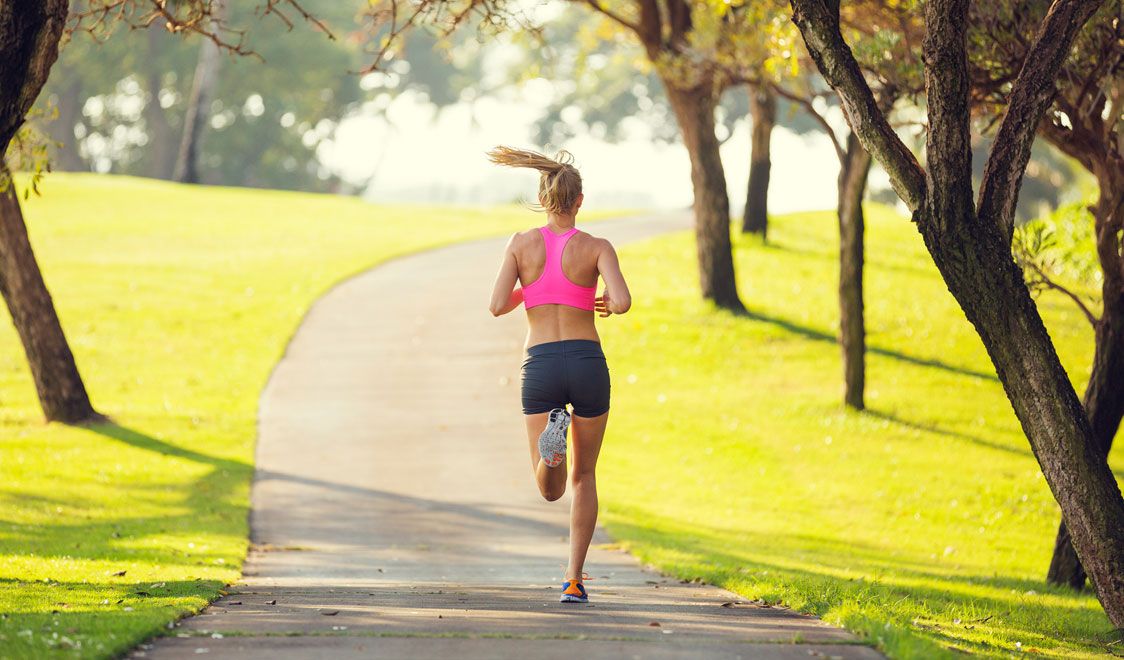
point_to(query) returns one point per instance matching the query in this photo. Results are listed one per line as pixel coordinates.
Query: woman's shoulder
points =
(521, 238)
(594, 242)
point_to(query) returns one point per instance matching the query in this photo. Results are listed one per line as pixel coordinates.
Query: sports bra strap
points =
(553, 286)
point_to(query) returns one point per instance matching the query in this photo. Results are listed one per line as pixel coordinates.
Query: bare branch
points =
(1038, 279)
(1031, 96)
(819, 25)
(188, 17)
(394, 19)
(809, 107)
(597, 6)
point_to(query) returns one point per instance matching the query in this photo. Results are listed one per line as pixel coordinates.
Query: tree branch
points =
(651, 28)
(597, 6)
(948, 143)
(679, 21)
(818, 21)
(810, 108)
(1031, 96)
(1040, 280)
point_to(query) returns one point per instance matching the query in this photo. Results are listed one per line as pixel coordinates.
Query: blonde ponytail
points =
(560, 183)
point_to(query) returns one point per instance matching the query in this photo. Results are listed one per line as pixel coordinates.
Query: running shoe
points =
(573, 592)
(552, 442)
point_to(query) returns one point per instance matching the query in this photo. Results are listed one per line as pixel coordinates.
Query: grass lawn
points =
(923, 524)
(177, 302)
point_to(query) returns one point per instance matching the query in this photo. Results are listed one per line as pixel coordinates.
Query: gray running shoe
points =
(552, 442)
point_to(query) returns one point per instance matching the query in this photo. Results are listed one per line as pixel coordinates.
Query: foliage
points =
(272, 111)
(602, 80)
(29, 152)
(868, 519)
(999, 37)
(1083, 123)
(1059, 252)
(177, 301)
(606, 86)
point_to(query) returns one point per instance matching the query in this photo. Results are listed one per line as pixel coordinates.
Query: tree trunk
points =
(66, 157)
(763, 110)
(29, 39)
(61, 392)
(1104, 393)
(199, 106)
(694, 110)
(852, 328)
(972, 250)
(29, 45)
(161, 138)
(976, 264)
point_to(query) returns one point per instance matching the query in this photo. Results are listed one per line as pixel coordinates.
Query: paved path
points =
(395, 514)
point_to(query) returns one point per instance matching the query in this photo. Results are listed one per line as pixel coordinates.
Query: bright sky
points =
(420, 156)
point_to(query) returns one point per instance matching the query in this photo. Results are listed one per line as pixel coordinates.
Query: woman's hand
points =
(601, 305)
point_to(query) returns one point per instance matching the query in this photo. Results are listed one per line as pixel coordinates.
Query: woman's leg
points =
(551, 480)
(588, 432)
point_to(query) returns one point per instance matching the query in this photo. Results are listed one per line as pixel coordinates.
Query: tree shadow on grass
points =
(202, 508)
(207, 509)
(960, 435)
(867, 582)
(141, 440)
(831, 256)
(974, 439)
(816, 334)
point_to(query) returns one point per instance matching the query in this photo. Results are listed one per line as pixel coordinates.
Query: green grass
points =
(922, 524)
(177, 302)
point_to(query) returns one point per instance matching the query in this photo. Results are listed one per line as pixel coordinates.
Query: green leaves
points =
(1058, 253)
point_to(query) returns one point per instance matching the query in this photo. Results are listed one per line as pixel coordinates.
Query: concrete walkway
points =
(395, 514)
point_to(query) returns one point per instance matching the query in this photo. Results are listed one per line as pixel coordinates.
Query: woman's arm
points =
(615, 299)
(505, 297)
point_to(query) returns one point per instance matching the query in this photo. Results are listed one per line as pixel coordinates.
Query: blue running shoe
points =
(552, 441)
(573, 592)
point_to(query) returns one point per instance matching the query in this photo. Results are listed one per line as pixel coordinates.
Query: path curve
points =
(394, 513)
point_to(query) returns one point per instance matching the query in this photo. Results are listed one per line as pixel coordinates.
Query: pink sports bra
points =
(553, 287)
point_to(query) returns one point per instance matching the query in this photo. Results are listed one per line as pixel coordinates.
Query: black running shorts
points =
(560, 372)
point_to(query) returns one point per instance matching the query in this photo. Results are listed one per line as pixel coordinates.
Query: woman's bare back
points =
(549, 323)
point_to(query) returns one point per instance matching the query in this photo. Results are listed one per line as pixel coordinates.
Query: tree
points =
(604, 79)
(885, 56)
(29, 36)
(696, 48)
(269, 118)
(693, 85)
(970, 243)
(763, 117)
(199, 104)
(854, 167)
(30, 33)
(1084, 123)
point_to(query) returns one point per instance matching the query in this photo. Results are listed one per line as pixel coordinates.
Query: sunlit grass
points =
(923, 524)
(177, 302)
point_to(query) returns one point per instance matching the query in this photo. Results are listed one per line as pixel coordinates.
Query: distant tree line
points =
(143, 101)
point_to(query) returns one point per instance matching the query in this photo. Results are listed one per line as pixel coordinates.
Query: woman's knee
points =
(582, 477)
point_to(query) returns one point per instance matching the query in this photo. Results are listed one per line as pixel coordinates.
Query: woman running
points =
(558, 267)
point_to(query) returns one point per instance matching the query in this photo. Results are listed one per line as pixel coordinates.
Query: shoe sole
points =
(552, 442)
(573, 599)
